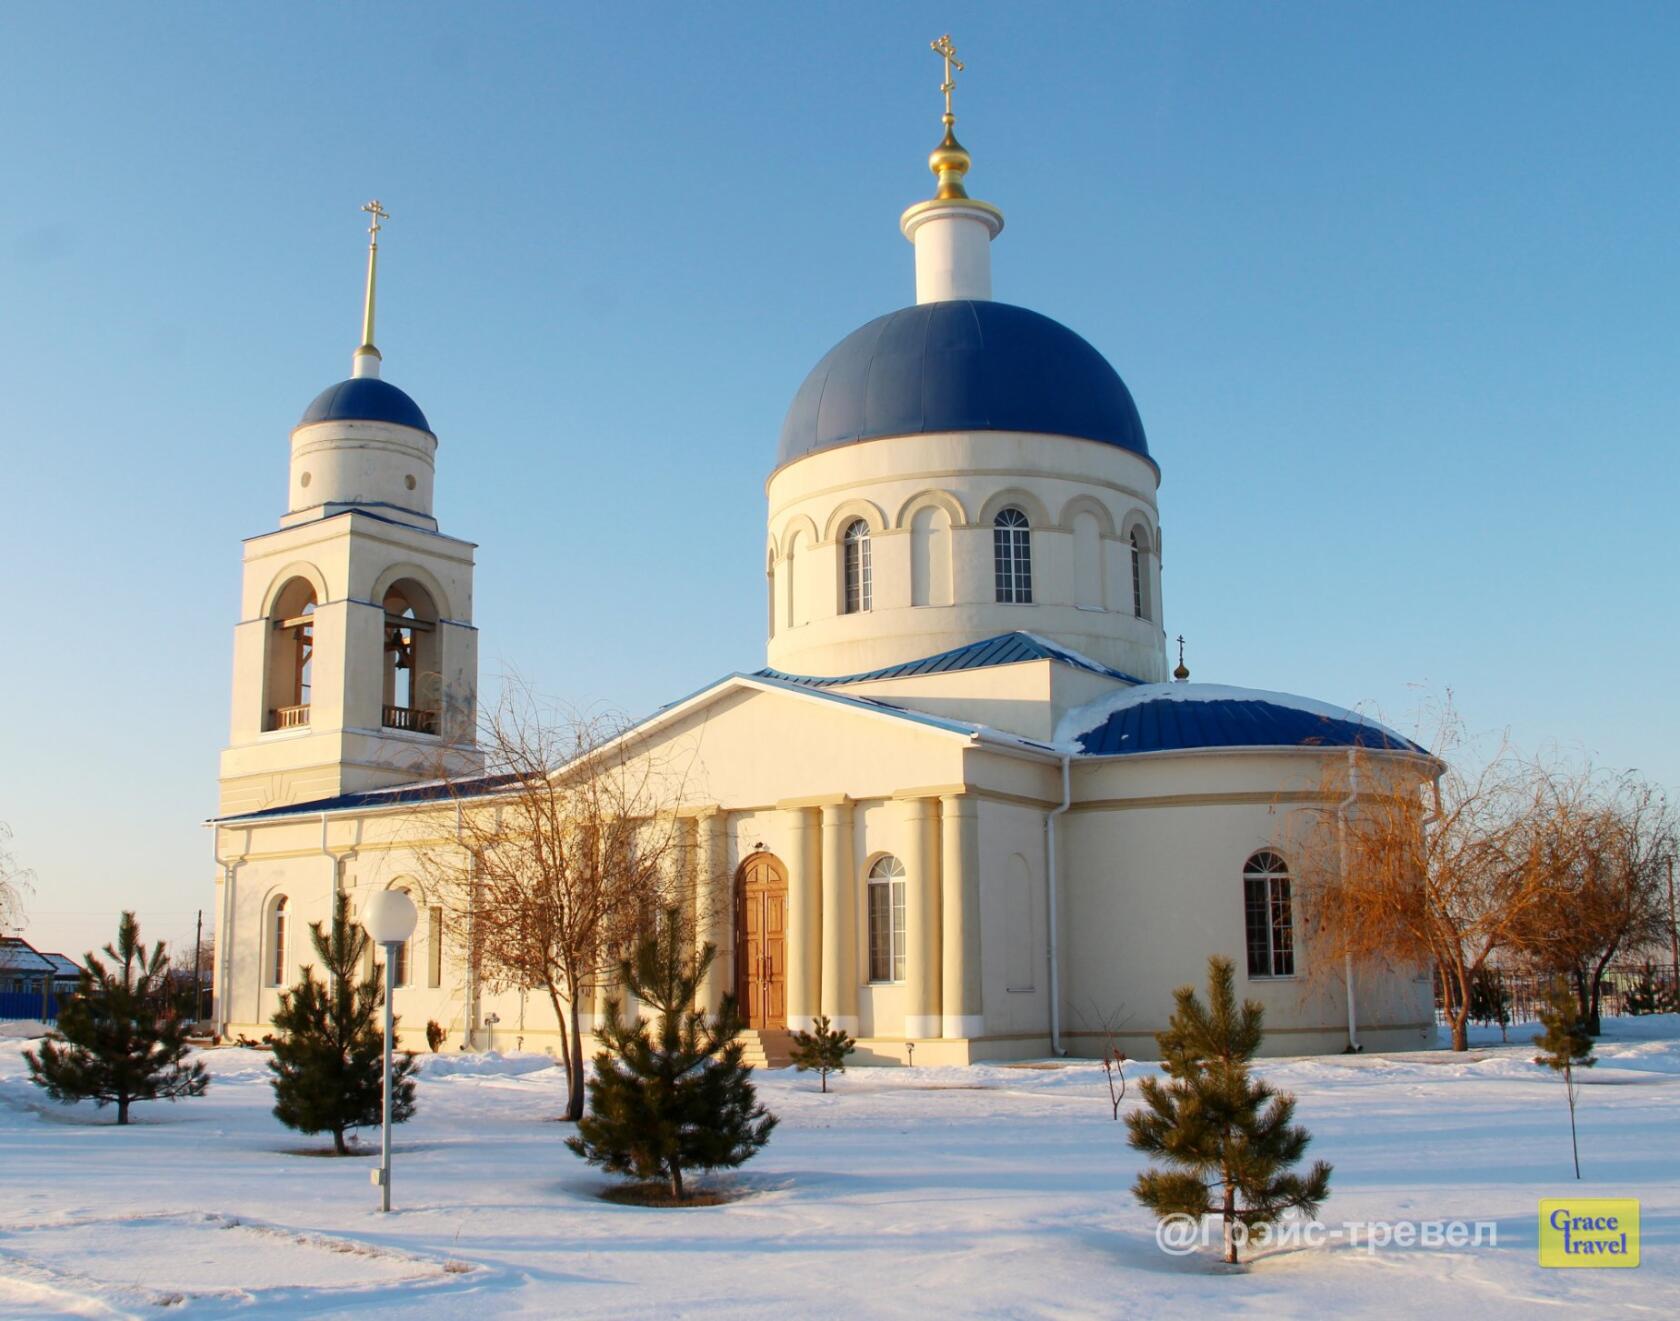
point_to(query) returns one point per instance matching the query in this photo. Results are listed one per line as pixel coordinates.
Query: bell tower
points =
(355, 664)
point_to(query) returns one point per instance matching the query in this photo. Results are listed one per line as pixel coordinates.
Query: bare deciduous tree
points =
(1605, 846)
(14, 884)
(568, 847)
(1438, 873)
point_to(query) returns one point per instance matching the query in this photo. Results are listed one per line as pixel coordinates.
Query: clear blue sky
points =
(1395, 287)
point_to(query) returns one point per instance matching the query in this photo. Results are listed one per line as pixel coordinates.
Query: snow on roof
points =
(18, 955)
(1162, 717)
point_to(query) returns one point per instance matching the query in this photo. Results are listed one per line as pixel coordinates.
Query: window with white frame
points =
(277, 943)
(1269, 916)
(1012, 557)
(1138, 607)
(886, 920)
(857, 587)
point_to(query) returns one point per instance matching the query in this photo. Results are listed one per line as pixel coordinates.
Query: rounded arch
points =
(1138, 521)
(277, 936)
(412, 886)
(799, 523)
(877, 858)
(884, 896)
(936, 499)
(297, 570)
(1028, 503)
(397, 573)
(1087, 504)
(1269, 937)
(847, 511)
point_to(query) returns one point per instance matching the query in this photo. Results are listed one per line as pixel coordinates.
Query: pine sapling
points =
(329, 1042)
(1648, 995)
(1228, 1136)
(673, 1094)
(119, 1038)
(823, 1048)
(1565, 1046)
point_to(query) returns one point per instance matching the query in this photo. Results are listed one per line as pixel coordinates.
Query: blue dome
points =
(365, 399)
(963, 365)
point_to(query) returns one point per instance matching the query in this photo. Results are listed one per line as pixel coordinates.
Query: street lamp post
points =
(389, 920)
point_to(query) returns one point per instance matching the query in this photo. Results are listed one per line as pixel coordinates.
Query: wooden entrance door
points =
(761, 941)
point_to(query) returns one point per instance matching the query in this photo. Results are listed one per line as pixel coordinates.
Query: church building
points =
(963, 809)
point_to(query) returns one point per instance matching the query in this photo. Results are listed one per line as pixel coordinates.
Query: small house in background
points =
(67, 974)
(27, 981)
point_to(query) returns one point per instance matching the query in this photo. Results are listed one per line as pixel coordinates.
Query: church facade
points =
(964, 810)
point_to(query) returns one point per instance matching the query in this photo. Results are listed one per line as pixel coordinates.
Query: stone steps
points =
(767, 1049)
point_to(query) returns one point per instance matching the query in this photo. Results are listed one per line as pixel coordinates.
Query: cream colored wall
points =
(351, 561)
(1151, 865)
(969, 475)
(363, 463)
(1155, 847)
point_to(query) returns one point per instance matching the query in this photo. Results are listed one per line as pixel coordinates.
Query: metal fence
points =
(1524, 993)
(28, 1005)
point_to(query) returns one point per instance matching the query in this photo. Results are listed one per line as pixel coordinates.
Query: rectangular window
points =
(898, 931)
(399, 968)
(434, 947)
(1257, 922)
(880, 933)
(1283, 936)
(1270, 925)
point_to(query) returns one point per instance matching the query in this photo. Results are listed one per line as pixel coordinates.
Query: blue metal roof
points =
(1181, 721)
(1004, 649)
(365, 399)
(962, 365)
(428, 791)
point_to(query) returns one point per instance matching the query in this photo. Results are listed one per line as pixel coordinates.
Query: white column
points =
(921, 920)
(962, 1014)
(714, 906)
(953, 239)
(804, 918)
(839, 971)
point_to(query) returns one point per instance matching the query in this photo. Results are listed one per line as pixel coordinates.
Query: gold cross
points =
(944, 47)
(376, 213)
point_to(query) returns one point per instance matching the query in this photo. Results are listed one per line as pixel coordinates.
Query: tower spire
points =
(365, 361)
(950, 160)
(951, 230)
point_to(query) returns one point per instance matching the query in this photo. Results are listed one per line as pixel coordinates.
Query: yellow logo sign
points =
(1589, 1231)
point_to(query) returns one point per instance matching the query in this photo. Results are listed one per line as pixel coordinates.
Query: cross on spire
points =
(365, 361)
(945, 48)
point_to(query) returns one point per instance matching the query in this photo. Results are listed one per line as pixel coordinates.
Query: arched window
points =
(399, 955)
(1012, 557)
(413, 666)
(1139, 609)
(277, 943)
(858, 592)
(291, 651)
(770, 589)
(1269, 915)
(886, 920)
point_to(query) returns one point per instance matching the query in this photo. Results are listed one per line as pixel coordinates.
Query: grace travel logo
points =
(1589, 1231)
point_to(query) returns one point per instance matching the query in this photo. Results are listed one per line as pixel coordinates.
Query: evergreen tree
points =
(329, 1042)
(1648, 995)
(119, 1038)
(1490, 1002)
(1229, 1135)
(823, 1048)
(673, 1095)
(1565, 1045)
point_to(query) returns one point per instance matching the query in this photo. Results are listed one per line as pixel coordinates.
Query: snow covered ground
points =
(988, 1191)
